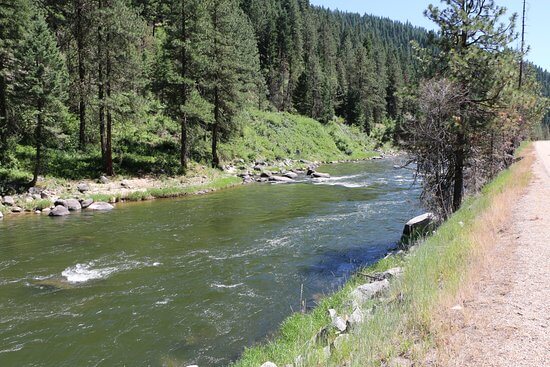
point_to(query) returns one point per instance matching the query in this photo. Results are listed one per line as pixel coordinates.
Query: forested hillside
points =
(125, 85)
(79, 76)
(543, 76)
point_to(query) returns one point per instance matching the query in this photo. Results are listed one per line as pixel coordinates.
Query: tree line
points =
(77, 74)
(94, 63)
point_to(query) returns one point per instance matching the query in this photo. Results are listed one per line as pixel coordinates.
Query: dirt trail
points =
(506, 321)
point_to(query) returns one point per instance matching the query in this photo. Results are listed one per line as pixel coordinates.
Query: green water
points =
(194, 280)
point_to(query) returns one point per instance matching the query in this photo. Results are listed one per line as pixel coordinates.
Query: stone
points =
(268, 364)
(258, 168)
(61, 202)
(83, 187)
(266, 174)
(16, 209)
(280, 179)
(320, 175)
(417, 227)
(8, 201)
(369, 291)
(310, 172)
(326, 352)
(104, 180)
(59, 211)
(36, 196)
(340, 324)
(86, 203)
(101, 206)
(46, 195)
(291, 175)
(73, 205)
(37, 212)
(125, 184)
(46, 210)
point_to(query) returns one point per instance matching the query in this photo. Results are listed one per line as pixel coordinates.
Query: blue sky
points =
(537, 25)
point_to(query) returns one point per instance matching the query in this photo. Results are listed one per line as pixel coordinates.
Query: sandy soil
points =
(506, 320)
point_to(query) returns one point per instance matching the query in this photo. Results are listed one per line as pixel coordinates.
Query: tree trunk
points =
(458, 190)
(38, 144)
(100, 88)
(183, 90)
(108, 141)
(4, 128)
(215, 158)
(81, 76)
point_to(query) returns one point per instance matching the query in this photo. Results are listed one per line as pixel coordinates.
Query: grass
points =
(171, 191)
(272, 136)
(410, 321)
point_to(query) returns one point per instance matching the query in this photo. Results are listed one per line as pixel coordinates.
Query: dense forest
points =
(115, 84)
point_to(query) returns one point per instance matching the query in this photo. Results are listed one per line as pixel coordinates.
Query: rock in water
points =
(320, 175)
(100, 206)
(73, 205)
(59, 211)
(291, 175)
(86, 203)
(280, 179)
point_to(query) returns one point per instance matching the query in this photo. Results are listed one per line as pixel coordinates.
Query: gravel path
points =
(506, 322)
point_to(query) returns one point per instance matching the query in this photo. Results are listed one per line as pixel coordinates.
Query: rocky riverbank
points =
(61, 197)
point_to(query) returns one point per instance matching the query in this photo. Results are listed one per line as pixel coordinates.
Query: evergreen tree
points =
(119, 69)
(40, 84)
(13, 26)
(184, 52)
(232, 65)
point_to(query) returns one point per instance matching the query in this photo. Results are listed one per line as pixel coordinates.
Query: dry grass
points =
(485, 233)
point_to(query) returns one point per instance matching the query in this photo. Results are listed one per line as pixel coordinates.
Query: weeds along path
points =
(505, 321)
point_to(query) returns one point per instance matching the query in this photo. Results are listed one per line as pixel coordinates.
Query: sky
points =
(537, 24)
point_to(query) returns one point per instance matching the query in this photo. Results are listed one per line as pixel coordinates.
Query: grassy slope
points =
(271, 136)
(405, 323)
(153, 149)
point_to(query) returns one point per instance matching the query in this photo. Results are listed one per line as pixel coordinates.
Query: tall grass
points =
(408, 321)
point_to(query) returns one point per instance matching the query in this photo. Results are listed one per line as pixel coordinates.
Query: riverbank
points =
(403, 325)
(201, 180)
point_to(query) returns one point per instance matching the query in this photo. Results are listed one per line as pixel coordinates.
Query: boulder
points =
(100, 206)
(83, 187)
(8, 201)
(357, 316)
(310, 172)
(16, 209)
(280, 179)
(269, 364)
(86, 203)
(388, 274)
(60, 202)
(266, 174)
(291, 175)
(73, 205)
(369, 291)
(46, 195)
(103, 180)
(320, 175)
(417, 227)
(339, 323)
(59, 211)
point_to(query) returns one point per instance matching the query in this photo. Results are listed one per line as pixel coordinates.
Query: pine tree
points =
(472, 43)
(119, 69)
(13, 26)
(40, 83)
(184, 53)
(232, 66)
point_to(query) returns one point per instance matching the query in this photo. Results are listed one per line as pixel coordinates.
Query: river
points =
(193, 280)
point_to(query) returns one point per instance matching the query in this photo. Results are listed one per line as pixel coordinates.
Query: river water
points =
(190, 281)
